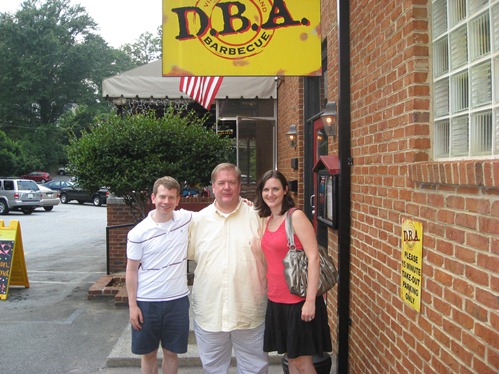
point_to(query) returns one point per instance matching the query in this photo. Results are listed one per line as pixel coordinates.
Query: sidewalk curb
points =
(122, 356)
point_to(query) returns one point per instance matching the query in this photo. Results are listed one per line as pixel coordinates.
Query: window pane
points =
(475, 5)
(465, 53)
(442, 98)
(457, 10)
(481, 134)
(496, 152)
(481, 84)
(480, 36)
(442, 139)
(458, 48)
(321, 143)
(440, 57)
(496, 78)
(459, 136)
(459, 92)
(439, 21)
(495, 26)
(246, 107)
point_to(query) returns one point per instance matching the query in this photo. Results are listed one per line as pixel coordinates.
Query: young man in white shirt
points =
(156, 280)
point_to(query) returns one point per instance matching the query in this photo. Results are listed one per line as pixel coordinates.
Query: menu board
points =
(12, 264)
(6, 252)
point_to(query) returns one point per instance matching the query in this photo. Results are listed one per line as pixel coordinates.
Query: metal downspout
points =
(344, 206)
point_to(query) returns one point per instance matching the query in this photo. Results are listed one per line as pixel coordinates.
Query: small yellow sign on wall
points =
(411, 266)
(241, 38)
(12, 264)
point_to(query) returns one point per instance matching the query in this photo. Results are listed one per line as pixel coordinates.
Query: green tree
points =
(51, 60)
(146, 49)
(8, 156)
(14, 159)
(127, 154)
(43, 61)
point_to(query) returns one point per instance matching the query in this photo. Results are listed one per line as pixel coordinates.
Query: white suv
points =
(19, 194)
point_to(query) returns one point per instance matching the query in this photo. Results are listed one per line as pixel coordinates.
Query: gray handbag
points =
(296, 266)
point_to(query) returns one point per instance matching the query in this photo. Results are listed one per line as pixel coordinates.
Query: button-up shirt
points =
(229, 290)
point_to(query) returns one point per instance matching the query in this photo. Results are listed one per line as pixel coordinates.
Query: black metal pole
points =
(107, 250)
(344, 206)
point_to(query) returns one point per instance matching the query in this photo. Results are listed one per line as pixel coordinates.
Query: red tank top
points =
(275, 247)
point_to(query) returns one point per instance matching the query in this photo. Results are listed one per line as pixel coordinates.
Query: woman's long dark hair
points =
(287, 201)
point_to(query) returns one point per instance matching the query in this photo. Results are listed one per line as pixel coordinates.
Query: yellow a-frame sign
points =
(12, 264)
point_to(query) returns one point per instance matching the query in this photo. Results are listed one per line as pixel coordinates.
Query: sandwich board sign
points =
(12, 263)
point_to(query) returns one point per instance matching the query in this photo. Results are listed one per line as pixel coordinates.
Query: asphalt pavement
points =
(51, 327)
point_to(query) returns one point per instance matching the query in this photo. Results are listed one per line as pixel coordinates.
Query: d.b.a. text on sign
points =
(411, 264)
(238, 38)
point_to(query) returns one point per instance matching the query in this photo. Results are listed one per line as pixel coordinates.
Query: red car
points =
(37, 176)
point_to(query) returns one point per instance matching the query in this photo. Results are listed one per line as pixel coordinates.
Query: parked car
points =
(18, 194)
(190, 191)
(57, 185)
(75, 192)
(37, 176)
(50, 198)
(64, 170)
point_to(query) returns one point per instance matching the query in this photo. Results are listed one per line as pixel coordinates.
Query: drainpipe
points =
(344, 206)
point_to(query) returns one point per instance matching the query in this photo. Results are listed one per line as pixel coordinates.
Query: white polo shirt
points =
(162, 252)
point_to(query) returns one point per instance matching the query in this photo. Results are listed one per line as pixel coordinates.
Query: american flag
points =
(201, 89)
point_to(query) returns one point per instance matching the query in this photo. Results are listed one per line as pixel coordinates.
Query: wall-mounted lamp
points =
(328, 117)
(292, 135)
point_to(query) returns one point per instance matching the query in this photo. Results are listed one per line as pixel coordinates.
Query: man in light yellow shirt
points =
(229, 291)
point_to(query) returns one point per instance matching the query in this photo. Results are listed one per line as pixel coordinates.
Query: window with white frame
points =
(465, 45)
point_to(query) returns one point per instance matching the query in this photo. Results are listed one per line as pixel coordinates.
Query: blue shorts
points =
(166, 322)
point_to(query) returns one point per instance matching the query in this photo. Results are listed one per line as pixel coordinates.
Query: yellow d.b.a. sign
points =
(12, 264)
(411, 267)
(241, 38)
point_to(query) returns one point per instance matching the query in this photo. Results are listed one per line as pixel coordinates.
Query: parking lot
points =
(50, 327)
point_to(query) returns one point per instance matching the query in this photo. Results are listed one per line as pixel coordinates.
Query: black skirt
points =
(285, 332)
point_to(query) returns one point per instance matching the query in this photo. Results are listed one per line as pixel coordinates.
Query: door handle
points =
(312, 201)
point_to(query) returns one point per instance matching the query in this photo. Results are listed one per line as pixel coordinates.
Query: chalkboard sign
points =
(6, 252)
(12, 264)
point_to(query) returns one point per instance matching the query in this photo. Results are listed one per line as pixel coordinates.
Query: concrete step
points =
(122, 356)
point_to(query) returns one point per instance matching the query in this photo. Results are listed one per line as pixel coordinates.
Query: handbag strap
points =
(290, 233)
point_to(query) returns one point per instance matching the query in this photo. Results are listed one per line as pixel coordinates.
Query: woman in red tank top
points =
(293, 325)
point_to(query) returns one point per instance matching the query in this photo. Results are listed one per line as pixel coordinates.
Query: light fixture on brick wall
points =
(328, 117)
(292, 134)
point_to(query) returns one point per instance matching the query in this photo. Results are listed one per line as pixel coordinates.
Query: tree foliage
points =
(16, 156)
(43, 61)
(146, 49)
(9, 155)
(127, 154)
(51, 60)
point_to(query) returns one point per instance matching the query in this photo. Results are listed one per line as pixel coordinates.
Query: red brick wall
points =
(290, 112)
(118, 213)
(394, 178)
